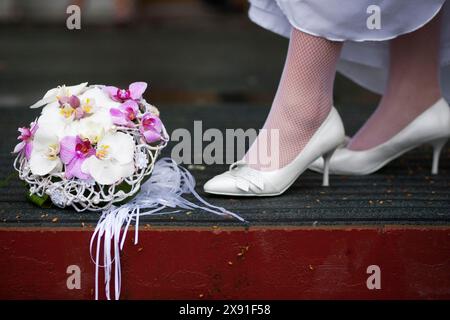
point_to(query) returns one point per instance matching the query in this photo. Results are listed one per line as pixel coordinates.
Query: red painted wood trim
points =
(261, 263)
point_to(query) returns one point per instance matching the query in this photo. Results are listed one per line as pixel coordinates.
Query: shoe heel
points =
(326, 165)
(437, 148)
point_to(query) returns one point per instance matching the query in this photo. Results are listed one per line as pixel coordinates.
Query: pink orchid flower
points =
(73, 152)
(26, 135)
(125, 114)
(134, 92)
(150, 128)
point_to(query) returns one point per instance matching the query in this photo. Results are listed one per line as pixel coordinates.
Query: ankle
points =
(396, 110)
(412, 99)
(307, 118)
(427, 95)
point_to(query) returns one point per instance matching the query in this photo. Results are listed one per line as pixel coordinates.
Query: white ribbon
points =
(165, 189)
(246, 176)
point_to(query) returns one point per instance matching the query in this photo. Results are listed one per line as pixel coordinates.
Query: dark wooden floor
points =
(402, 193)
(224, 74)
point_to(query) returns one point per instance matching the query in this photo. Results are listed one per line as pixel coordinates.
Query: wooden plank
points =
(232, 263)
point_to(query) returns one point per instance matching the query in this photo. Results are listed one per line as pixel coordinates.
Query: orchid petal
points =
(51, 94)
(137, 89)
(74, 101)
(130, 104)
(101, 98)
(67, 149)
(95, 126)
(43, 138)
(28, 149)
(121, 146)
(73, 169)
(118, 117)
(121, 121)
(63, 100)
(103, 171)
(116, 112)
(41, 103)
(19, 147)
(118, 161)
(157, 124)
(42, 165)
(111, 91)
(76, 90)
(33, 127)
(24, 131)
(52, 118)
(78, 114)
(151, 136)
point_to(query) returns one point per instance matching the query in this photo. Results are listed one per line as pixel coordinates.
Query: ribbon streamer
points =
(163, 191)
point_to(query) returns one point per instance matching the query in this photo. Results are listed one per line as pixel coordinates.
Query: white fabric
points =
(365, 55)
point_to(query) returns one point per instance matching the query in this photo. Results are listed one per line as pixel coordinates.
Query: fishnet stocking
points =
(302, 102)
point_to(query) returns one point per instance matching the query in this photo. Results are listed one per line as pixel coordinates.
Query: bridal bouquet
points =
(91, 147)
(95, 148)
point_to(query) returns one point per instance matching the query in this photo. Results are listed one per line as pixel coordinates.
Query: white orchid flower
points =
(113, 159)
(52, 118)
(95, 127)
(90, 119)
(101, 98)
(53, 95)
(70, 109)
(44, 158)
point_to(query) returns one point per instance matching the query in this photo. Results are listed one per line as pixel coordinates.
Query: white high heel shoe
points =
(241, 180)
(431, 127)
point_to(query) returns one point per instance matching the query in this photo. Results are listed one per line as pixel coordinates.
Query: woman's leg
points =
(413, 86)
(303, 99)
